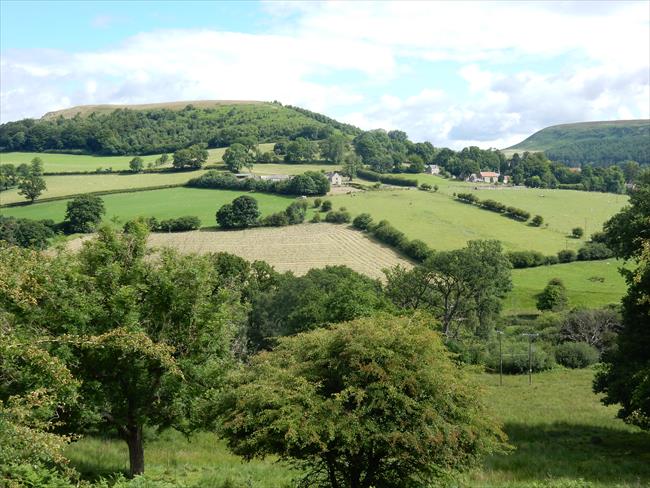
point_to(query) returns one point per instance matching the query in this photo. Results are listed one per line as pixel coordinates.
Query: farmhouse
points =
(432, 169)
(334, 178)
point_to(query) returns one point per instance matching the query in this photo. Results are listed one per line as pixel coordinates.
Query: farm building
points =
(275, 177)
(432, 169)
(485, 177)
(334, 178)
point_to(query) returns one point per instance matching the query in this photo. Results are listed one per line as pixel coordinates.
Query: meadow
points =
(562, 437)
(162, 204)
(590, 284)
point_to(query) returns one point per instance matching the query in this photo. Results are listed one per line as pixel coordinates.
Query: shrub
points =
(566, 255)
(537, 221)
(316, 218)
(337, 217)
(551, 260)
(317, 202)
(385, 232)
(493, 206)
(467, 198)
(180, 224)
(515, 358)
(241, 213)
(362, 221)
(278, 219)
(425, 187)
(83, 213)
(576, 355)
(326, 206)
(366, 174)
(34, 234)
(416, 249)
(594, 250)
(435, 187)
(526, 259)
(577, 232)
(553, 297)
(517, 214)
(296, 212)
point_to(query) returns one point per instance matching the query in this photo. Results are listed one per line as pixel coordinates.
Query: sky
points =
(452, 73)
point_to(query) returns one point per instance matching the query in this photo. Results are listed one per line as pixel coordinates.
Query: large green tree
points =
(148, 339)
(241, 213)
(463, 288)
(190, 157)
(334, 147)
(373, 402)
(84, 213)
(32, 186)
(625, 379)
(237, 157)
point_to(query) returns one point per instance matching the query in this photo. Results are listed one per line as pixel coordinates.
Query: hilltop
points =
(165, 127)
(602, 143)
(86, 110)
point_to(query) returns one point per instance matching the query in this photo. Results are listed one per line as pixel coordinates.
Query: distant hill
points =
(165, 127)
(86, 110)
(601, 143)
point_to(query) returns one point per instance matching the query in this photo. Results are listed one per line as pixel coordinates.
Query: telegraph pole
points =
(530, 356)
(500, 333)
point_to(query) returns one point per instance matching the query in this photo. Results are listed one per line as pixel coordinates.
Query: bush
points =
(493, 206)
(416, 249)
(241, 213)
(553, 297)
(425, 187)
(180, 224)
(594, 250)
(34, 234)
(337, 217)
(278, 219)
(317, 202)
(576, 355)
(517, 214)
(577, 232)
(84, 213)
(566, 256)
(526, 259)
(296, 212)
(316, 218)
(537, 221)
(365, 174)
(515, 358)
(388, 234)
(326, 206)
(362, 221)
(386, 179)
(552, 260)
(467, 198)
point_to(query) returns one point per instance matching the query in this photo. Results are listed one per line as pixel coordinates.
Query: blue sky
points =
(453, 73)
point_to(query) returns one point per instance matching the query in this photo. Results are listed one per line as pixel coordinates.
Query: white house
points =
(432, 169)
(334, 178)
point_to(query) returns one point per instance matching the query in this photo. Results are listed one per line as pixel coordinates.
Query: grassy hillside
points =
(605, 142)
(560, 431)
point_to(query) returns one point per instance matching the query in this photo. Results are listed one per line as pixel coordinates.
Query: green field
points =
(59, 163)
(73, 184)
(560, 431)
(292, 169)
(582, 279)
(162, 204)
(444, 223)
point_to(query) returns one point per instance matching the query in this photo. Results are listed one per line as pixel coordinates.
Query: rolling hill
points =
(601, 143)
(111, 130)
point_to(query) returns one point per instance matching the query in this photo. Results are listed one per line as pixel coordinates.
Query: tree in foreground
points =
(84, 213)
(373, 402)
(625, 379)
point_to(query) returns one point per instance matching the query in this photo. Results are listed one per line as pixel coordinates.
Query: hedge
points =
(386, 233)
(366, 174)
(308, 183)
(179, 224)
(494, 206)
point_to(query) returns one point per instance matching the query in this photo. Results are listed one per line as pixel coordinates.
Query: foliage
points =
(294, 214)
(537, 221)
(553, 297)
(462, 288)
(577, 232)
(598, 142)
(241, 213)
(515, 358)
(237, 157)
(136, 164)
(362, 221)
(321, 296)
(25, 233)
(595, 327)
(326, 206)
(625, 378)
(148, 340)
(338, 217)
(84, 213)
(333, 148)
(300, 150)
(373, 402)
(594, 250)
(386, 179)
(309, 183)
(126, 131)
(31, 186)
(190, 157)
(179, 224)
(576, 355)
(566, 255)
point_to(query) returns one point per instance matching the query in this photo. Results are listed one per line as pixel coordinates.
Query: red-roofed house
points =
(485, 177)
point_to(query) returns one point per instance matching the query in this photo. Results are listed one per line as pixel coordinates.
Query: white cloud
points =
(584, 61)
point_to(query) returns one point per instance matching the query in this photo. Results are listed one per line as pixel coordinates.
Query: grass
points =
(560, 431)
(162, 204)
(292, 169)
(582, 280)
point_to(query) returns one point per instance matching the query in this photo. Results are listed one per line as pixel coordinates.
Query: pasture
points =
(560, 431)
(590, 284)
(162, 204)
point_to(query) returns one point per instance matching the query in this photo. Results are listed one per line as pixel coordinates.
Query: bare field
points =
(296, 248)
